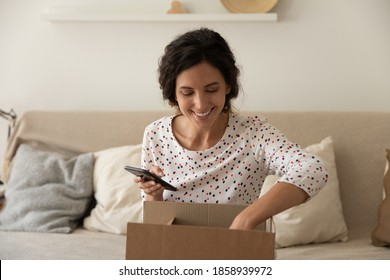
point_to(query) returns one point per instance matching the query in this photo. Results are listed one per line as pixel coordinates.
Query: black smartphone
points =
(147, 176)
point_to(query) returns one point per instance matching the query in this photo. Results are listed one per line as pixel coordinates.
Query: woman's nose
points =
(200, 100)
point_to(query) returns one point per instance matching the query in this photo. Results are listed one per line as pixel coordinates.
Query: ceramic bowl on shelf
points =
(249, 6)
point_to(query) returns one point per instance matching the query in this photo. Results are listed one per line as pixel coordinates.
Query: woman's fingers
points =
(150, 187)
(157, 170)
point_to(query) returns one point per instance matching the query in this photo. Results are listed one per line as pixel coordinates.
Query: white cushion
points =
(118, 198)
(318, 220)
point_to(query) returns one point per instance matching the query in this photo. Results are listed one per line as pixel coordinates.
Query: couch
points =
(359, 141)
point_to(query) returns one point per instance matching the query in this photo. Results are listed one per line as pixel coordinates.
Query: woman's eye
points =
(186, 92)
(211, 90)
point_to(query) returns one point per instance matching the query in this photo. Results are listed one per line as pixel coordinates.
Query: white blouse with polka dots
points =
(232, 171)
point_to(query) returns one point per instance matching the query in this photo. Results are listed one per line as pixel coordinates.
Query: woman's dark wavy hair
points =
(190, 49)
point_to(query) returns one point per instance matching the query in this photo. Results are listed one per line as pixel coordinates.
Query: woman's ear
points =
(227, 90)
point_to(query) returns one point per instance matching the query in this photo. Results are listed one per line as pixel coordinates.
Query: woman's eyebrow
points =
(208, 85)
(212, 84)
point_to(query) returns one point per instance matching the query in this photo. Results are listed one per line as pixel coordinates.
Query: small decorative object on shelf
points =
(249, 6)
(177, 8)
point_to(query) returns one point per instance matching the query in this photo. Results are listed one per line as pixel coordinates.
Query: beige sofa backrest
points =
(360, 141)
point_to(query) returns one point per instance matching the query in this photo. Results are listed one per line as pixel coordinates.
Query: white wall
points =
(321, 55)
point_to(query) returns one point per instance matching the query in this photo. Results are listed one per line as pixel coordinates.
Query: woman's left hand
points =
(243, 221)
(280, 197)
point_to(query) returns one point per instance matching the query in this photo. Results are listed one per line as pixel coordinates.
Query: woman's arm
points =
(280, 197)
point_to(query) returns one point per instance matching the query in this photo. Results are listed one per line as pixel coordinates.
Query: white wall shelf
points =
(55, 14)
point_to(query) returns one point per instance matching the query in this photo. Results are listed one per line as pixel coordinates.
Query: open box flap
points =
(194, 214)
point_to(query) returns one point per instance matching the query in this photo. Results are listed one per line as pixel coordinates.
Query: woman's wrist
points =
(158, 197)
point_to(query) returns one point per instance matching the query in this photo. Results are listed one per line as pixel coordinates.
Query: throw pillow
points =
(46, 191)
(118, 198)
(381, 233)
(318, 220)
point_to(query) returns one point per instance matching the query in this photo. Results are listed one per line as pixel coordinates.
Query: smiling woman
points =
(201, 96)
(209, 153)
(190, 49)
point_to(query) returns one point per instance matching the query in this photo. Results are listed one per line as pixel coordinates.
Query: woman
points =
(212, 155)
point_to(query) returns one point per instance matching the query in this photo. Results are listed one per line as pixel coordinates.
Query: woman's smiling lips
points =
(200, 114)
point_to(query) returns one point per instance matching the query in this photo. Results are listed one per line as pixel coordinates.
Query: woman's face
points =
(201, 92)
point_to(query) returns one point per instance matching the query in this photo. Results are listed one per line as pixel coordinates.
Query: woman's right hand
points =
(154, 191)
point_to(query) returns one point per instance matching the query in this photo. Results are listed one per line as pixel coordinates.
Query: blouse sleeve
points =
(289, 161)
(147, 160)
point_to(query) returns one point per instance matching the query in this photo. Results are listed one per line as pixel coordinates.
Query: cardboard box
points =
(192, 231)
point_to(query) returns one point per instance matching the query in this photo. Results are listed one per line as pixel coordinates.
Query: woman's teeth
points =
(202, 114)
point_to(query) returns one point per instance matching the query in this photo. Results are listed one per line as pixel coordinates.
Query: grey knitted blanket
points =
(47, 192)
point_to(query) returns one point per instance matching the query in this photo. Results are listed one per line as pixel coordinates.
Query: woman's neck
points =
(195, 139)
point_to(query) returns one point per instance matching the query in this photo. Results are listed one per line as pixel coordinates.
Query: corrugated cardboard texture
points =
(199, 231)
